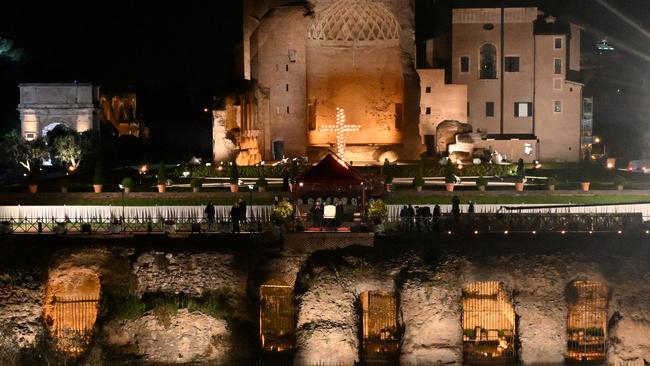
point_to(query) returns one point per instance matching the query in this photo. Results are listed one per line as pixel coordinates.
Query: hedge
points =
(428, 170)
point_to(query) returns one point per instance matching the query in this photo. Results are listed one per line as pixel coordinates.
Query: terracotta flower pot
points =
(234, 188)
(127, 190)
(33, 188)
(418, 188)
(161, 188)
(619, 188)
(196, 189)
(388, 187)
(551, 187)
(98, 188)
(64, 189)
(519, 186)
(585, 186)
(261, 189)
(449, 187)
(481, 188)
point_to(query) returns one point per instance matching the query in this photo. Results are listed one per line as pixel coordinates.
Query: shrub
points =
(196, 183)
(551, 181)
(481, 181)
(261, 182)
(98, 177)
(620, 181)
(585, 170)
(234, 173)
(128, 182)
(450, 173)
(377, 211)
(162, 173)
(418, 180)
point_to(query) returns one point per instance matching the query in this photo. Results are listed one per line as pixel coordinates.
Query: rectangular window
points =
(286, 67)
(464, 64)
(428, 110)
(512, 64)
(557, 106)
(399, 115)
(292, 55)
(557, 84)
(286, 87)
(489, 109)
(557, 43)
(287, 109)
(523, 109)
(557, 65)
(428, 89)
(467, 109)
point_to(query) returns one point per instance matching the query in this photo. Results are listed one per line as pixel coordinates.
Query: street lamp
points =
(123, 218)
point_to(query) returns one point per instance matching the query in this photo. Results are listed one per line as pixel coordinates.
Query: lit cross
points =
(340, 128)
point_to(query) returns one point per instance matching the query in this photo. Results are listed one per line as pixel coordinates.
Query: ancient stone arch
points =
(587, 302)
(277, 316)
(71, 305)
(380, 330)
(489, 323)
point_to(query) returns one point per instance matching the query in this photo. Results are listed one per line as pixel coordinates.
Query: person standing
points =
(455, 207)
(235, 217)
(410, 217)
(243, 214)
(209, 213)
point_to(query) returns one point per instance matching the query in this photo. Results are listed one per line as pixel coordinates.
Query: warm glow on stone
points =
(340, 128)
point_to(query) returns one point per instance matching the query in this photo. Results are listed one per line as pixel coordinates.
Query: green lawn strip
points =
(504, 199)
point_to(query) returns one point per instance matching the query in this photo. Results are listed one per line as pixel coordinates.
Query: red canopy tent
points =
(331, 176)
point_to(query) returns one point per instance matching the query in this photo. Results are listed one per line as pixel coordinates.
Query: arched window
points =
(587, 321)
(276, 316)
(380, 329)
(488, 61)
(489, 325)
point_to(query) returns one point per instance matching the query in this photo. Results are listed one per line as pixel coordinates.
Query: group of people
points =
(419, 218)
(237, 214)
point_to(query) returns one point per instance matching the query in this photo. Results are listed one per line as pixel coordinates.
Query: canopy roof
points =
(330, 170)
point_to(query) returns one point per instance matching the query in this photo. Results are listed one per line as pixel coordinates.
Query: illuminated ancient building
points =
(120, 110)
(78, 106)
(306, 59)
(44, 106)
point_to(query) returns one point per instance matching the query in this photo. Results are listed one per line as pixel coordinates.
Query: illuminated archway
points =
(587, 321)
(379, 325)
(489, 323)
(71, 307)
(277, 323)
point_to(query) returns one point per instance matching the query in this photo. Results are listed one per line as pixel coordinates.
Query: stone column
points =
(432, 323)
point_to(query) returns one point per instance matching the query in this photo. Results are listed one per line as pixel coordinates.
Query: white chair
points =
(329, 213)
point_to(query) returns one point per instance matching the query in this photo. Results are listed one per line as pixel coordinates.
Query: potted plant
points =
(450, 177)
(128, 184)
(620, 182)
(196, 184)
(551, 182)
(32, 181)
(98, 177)
(64, 183)
(162, 178)
(519, 184)
(388, 182)
(234, 177)
(418, 180)
(261, 184)
(282, 212)
(481, 183)
(377, 213)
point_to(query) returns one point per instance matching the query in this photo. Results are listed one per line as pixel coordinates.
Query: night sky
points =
(177, 56)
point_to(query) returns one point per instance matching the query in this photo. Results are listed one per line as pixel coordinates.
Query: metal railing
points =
(128, 225)
(520, 222)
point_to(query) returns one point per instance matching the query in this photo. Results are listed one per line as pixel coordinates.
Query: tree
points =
(28, 154)
(68, 151)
